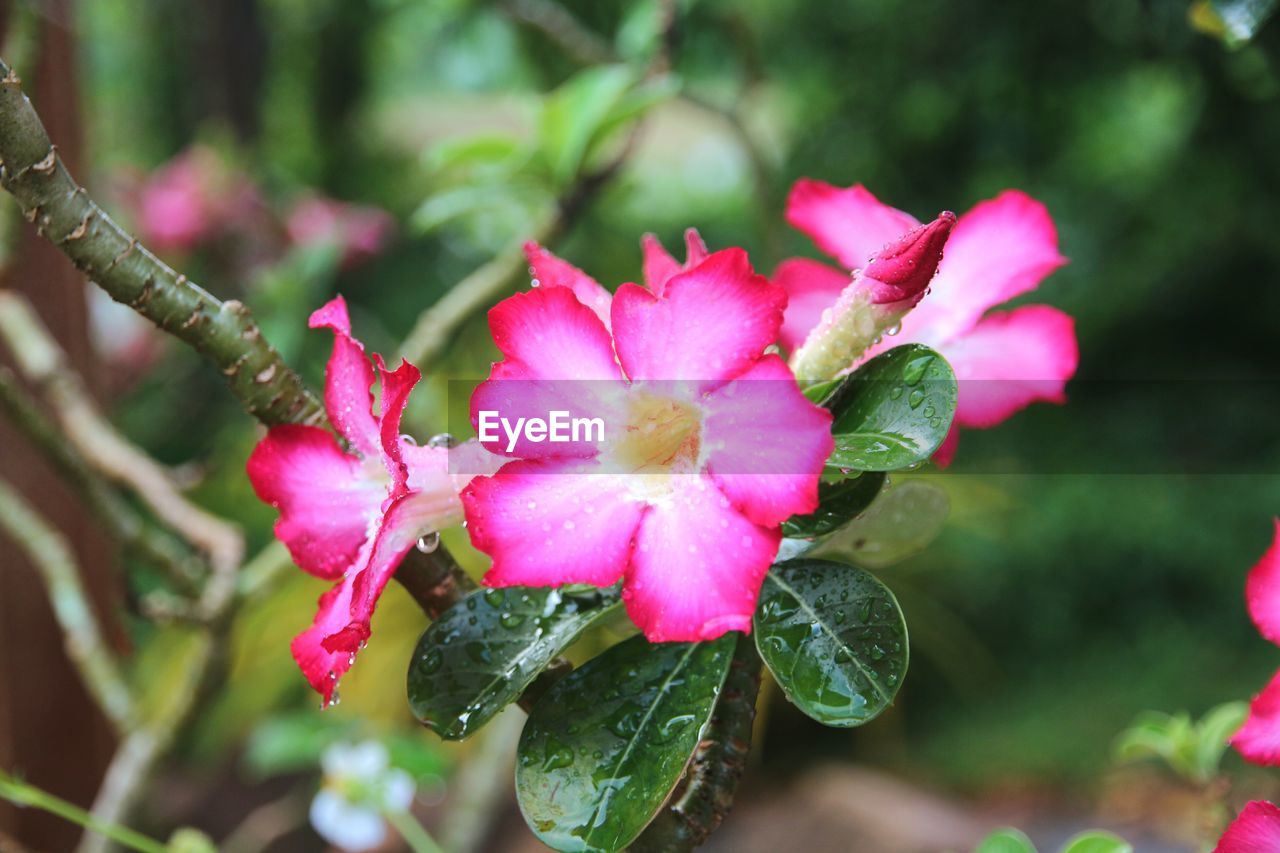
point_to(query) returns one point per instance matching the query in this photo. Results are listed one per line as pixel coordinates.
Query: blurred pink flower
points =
(1000, 249)
(359, 231)
(192, 199)
(351, 515)
(708, 445)
(1258, 740)
(1255, 830)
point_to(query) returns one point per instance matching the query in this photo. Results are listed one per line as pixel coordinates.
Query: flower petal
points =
(396, 385)
(946, 452)
(552, 522)
(812, 287)
(710, 323)
(1262, 591)
(550, 271)
(348, 379)
(766, 443)
(1010, 360)
(1003, 247)
(1256, 830)
(326, 498)
(552, 335)
(323, 667)
(659, 266)
(849, 224)
(1258, 740)
(697, 565)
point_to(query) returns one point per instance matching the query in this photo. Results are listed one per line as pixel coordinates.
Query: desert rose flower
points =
(350, 515)
(358, 231)
(709, 447)
(1258, 740)
(1000, 249)
(1256, 830)
(191, 199)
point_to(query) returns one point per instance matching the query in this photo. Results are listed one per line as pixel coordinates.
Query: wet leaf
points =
(481, 654)
(838, 502)
(604, 748)
(901, 523)
(834, 638)
(894, 411)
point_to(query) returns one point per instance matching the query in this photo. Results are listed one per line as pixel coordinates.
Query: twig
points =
(86, 646)
(713, 775)
(61, 210)
(45, 366)
(560, 26)
(22, 794)
(124, 523)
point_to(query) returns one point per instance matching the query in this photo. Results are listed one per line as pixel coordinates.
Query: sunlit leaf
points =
(1097, 841)
(1005, 841)
(604, 747)
(573, 115)
(482, 653)
(834, 638)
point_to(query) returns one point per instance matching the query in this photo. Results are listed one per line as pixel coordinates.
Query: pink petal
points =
(1258, 740)
(549, 271)
(326, 498)
(899, 273)
(407, 520)
(850, 224)
(1003, 247)
(711, 322)
(1256, 830)
(552, 522)
(946, 452)
(659, 266)
(697, 565)
(1010, 360)
(812, 287)
(396, 385)
(1262, 591)
(552, 335)
(767, 443)
(324, 667)
(348, 379)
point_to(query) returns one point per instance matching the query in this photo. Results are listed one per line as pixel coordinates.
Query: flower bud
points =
(876, 300)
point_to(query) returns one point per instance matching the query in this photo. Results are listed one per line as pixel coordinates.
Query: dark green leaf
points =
(838, 502)
(901, 523)
(483, 652)
(834, 639)
(894, 411)
(604, 748)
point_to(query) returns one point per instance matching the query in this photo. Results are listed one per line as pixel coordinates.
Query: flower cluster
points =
(714, 445)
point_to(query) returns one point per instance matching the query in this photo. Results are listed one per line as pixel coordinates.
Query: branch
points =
(44, 365)
(61, 210)
(86, 647)
(560, 26)
(712, 778)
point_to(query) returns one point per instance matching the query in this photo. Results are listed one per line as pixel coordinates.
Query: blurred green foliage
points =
(1152, 145)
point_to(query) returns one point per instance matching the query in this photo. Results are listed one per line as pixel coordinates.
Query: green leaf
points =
(894, 411)
(490, 153)
(1005, 841)
(573, 115)
(834, 638)
(838, 502)
(481, 654)
(901, 523)
(1097, 841)
(1212, 733)
(606, 745)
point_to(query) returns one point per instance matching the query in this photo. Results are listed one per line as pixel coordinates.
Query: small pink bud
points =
(903, 269)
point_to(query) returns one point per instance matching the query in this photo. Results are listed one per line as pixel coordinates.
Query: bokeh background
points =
(1093, 562)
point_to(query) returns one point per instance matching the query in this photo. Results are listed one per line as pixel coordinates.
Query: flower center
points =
(662, 436)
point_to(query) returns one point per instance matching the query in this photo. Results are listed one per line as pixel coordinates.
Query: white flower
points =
(359, 787)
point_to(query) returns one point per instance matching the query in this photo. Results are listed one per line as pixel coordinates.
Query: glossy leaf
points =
(838, 503)
(481, 654)
(1005, 841)
(901, 523)
(834, 638)
(604, 748)
(1097, 841)
(894, 411)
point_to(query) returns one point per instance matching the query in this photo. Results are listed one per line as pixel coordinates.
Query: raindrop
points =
(893, 330)
(442, 439)
(430, 542)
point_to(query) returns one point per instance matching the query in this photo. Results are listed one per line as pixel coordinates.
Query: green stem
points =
(413, 832)
(23, 795)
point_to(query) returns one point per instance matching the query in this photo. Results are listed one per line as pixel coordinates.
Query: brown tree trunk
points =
(50, 731)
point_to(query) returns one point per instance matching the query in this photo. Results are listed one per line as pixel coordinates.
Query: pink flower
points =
(191, 199)
(1000, 249)
(1258, 740)
(1256, 830)
(360, 232)
(350, 515)
(709, 444)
